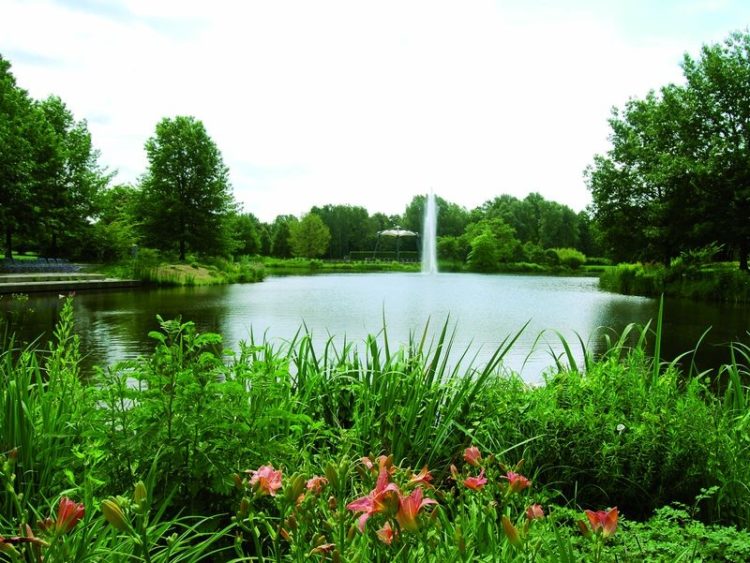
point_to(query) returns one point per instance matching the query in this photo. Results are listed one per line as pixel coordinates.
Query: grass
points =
(709, 282)
(162, 445)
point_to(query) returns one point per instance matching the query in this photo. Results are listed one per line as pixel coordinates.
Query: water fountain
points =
(429, 236)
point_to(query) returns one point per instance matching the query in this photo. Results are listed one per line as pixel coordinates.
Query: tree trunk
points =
(54, 245)
(8, 243)
(182, 250)
(743, 255)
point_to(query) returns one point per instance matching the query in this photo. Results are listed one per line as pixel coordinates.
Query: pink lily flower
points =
(534, 512)
(69, 513)
(386, 534)
(476, 483)
(378, 500)
(472, 456)
(409, 508)
(517, 482)
(603, 521)
(316, 484)
(423, 478)
(266, 480)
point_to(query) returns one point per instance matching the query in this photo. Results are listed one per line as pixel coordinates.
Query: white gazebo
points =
(398, 233)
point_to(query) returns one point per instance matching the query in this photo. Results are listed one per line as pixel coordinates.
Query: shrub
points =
(570, 257)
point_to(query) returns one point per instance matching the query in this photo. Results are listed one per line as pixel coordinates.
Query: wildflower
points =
(68, 515)
(476, 483)
(454, 472)
(472, 456)
(378, 500)
(534, 511)
(511, 532)
(516, 481)
(603, 521)
(266, 480)
(323, 548)
(316, 484)
(409, 508)
(382, 461)
(422, 478)
(386, 534)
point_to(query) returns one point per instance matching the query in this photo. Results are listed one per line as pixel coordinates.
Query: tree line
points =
(56, 199)
(677, 176)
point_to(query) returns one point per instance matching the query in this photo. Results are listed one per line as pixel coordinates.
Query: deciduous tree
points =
(186, 193)
(309, 237)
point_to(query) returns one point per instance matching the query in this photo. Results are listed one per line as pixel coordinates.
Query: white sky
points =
(362, 103)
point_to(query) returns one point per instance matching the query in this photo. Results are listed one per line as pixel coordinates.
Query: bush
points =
(570, 257)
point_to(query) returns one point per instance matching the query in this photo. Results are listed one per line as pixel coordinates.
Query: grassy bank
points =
(712, 282)
(296, 452)
(155, 268)
(305, 265)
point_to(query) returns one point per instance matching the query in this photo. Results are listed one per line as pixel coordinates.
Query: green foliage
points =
(280, 236)
(570, 257)
(309, 237)
(676, 177)
(350, 228)
(186, 197)
(484, 255)
(711, 283)
(619, 429)
(246, 233)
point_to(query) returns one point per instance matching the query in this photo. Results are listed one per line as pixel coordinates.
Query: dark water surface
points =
(483, 309)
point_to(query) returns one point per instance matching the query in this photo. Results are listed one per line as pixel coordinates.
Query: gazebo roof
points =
(397, 233)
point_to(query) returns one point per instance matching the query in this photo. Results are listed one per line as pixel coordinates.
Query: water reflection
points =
(483, 309)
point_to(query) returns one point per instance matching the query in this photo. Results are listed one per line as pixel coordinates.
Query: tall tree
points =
(720, 83)
(280, 233)
(678, 174)
(186, 193)
(246, 231)
(452, 218)
(350, 228)
(70, 178)
(309, 237)
(19, 127)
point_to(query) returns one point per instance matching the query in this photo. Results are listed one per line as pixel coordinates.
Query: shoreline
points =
(61, 283)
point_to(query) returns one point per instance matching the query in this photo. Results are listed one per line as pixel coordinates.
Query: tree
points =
(491, 241)
(452, 218)
(19, 126)
(280, 234)
(643, 191)
(309, 237)
(70, 178)
(350, 228)
(186, 193)
(719, 82)
(246, 234)
(114, 231)
(678, 174)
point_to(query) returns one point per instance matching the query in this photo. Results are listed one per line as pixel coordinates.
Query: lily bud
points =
(511, 532)
(114, 514)
(332, 475)
(140, 495)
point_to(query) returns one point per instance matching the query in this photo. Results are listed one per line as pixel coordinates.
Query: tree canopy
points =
(48, 169)
(678, 174)
(186, 197)
(309, 237)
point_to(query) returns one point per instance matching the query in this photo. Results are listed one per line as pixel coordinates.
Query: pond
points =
(481, 309)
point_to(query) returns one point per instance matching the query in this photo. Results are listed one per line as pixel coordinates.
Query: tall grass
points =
(622, 428)
(42, 409)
